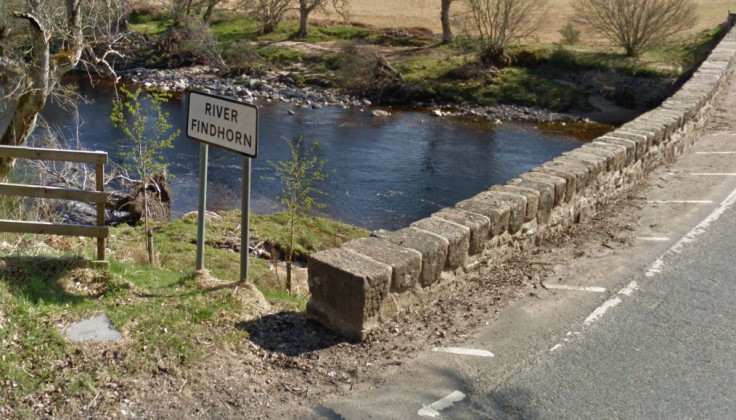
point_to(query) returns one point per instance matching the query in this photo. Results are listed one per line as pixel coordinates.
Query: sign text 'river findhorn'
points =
(224, 123)
(231, 125)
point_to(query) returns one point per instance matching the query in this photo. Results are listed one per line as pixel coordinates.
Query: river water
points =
(388, 172)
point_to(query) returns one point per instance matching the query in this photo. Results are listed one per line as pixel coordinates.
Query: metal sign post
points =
(231, 125)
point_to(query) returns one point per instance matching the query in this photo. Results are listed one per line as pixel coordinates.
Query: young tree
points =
(42, 41)
(447, 35)
(306, 7)
(499, 23)
(146, 131)
(636, 25)
(299, 176)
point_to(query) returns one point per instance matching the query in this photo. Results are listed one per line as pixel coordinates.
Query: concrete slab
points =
(97, 328)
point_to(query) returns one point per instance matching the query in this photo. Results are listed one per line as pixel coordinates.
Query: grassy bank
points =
(553, 76)
(170, 317)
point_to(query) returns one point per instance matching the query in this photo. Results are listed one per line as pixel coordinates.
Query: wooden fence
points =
(99, 159)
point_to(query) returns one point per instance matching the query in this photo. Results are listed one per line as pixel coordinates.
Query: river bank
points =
(278, 86)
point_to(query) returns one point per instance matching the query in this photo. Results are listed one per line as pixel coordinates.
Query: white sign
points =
(223, 122)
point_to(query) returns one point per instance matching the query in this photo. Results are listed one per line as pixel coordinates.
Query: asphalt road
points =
(641, 332)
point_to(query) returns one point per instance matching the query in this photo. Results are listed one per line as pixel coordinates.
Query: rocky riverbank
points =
(279, 86)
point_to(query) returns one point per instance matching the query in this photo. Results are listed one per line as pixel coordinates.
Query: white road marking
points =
(433, 410)
(653, 238)
(657, 266)
(578, 288)
(715, 153)
(464, 352)
(713, 174)
(680, 201)
(598, 313)
(629, 289)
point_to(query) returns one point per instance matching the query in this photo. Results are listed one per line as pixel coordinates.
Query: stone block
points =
(628, 145)
(347, 290)
(598, 162)
(497, 215)
(546, 196)
(571, 179)
(478, 224)
(615, 158)
(532, 198)
(458, 238)
(515, 203)
(559, 183)
(432, 247)
(405, 263)
(583, 175)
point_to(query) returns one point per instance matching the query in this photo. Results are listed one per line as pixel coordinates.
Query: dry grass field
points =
(425, 13)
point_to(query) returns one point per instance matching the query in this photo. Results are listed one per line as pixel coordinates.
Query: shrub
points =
(570, 34)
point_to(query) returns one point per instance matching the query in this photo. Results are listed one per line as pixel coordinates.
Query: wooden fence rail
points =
(99, 197)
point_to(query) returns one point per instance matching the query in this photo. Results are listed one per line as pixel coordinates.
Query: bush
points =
(570, 34)
(242, 57)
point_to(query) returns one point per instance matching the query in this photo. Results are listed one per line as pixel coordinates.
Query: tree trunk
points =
(208, 11)
(303, 22)
(290, 252)
(447, 35)
(149, 234)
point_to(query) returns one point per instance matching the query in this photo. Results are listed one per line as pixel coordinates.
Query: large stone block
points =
(515, 203)
(546, 196)
(497, 214)
(532, 198)
(571, 179)
(405, 263)
(577, 154)
(559, 184)
(628, 145)
(615, 158)
(432, 247)
(478, 224)
(347, 290)
(583, 175)
(458, 238)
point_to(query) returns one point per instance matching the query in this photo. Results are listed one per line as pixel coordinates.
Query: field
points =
(425, 13)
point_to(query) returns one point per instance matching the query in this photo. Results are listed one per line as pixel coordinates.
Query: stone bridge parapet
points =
(371, 280)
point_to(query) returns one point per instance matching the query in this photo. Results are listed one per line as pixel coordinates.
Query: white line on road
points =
(653, 238)
(578, 288)
(680, 201)
(433, 410)
(715, 153)
(713, 174)
(598, 313)
(464, 352)
(658, 265)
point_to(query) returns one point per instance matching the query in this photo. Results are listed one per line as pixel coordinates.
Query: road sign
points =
(231, 125)
(223, 122)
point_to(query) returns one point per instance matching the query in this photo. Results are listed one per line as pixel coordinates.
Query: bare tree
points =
(498, 23)
(447, 35)
(306, 7)
(636, 25)
(42, 41)
(268, 12)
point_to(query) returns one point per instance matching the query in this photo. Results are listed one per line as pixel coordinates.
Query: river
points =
(387, 171)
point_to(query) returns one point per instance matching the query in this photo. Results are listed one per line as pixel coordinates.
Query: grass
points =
(169, 317)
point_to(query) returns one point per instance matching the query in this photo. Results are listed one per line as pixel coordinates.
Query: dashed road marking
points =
(464, 352)
(653, 238)
(680, 201)
(713, 174)
(578, 288)
(433, 410)
(658, 265)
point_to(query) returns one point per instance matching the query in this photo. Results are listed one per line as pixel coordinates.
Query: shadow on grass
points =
(289, 333)
(43, 279)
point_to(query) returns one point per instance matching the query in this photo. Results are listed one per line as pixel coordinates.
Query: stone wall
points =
(370, 280)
